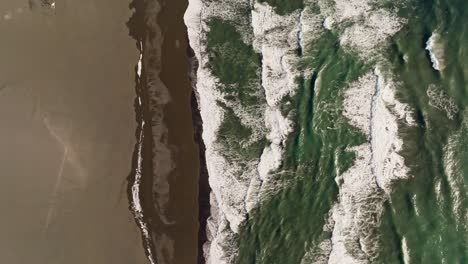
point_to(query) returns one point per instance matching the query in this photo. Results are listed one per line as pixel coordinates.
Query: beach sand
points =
(68, 124)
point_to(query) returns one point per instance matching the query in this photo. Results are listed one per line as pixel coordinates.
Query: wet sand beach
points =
(169, 156)
(68, 124)
(95, 150)
(183, 203)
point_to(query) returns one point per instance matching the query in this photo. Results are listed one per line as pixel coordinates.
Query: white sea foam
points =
(276, 38)
(435, 51)
(371, 106)
(351, 9)
(454, 175)
(356, 214)
(357, 103)
(405, 250)
(414, 200)
(158, 96)
(439, 99)
(361, 26)
(377, 26)
(318, 255)
(439, 194)
(379, 122)
(229, 191)
(300, 34)
(385, 142)
(311, 26)
(158, 248)
(328, 23)
(364, 186)
(139, 65)
(135, 202)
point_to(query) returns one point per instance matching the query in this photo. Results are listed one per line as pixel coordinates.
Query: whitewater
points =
(351, 107)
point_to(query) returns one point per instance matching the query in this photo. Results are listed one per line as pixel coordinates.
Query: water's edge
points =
(140, 179)
(146, 28)
(204, 189)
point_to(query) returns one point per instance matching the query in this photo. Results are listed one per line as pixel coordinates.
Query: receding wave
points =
(137, 169)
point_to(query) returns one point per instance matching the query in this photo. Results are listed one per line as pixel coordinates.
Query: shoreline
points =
(140, 179)
(140, 166)
(69, 104)
(182, 206)
(169, 162)
(204, 188)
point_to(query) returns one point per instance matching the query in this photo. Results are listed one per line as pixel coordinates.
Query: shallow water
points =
(169, 163)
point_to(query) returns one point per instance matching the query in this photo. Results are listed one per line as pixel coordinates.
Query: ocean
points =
(334, 129)
(421, 217)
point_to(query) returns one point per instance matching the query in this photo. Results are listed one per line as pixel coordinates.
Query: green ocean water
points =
(429, 210)
(284, 227)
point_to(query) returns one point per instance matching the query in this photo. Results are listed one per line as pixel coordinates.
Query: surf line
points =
(136, 175)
